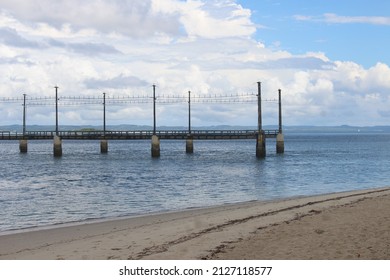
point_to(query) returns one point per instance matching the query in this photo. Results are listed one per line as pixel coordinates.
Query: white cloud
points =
(133, 18)
(123, 47)
(215, 20)
(303, 17)
(334, 18)
(120, 81)
(209, 19)
(379, 76)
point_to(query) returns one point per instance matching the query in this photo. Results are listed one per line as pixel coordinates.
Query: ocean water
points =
(37, 189)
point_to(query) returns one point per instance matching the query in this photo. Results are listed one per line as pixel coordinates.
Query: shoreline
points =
(126, 217)
(150, 214)
(203, 233)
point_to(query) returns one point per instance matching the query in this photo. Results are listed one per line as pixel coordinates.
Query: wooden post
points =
(190, 144)
(104, 146)
(23, 146)
(155, 146)
(57, 146)
(260, 145)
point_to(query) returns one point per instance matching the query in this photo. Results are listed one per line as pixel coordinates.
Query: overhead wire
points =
(136, 99)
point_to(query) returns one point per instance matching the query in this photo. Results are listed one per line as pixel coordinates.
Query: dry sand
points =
(350, 225)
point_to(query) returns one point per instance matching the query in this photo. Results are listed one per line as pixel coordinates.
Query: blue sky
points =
(330, 58)
(343, 30)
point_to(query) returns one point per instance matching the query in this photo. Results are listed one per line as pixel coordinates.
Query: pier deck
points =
(138, 135)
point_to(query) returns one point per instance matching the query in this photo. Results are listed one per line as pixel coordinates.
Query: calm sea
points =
(37, 189)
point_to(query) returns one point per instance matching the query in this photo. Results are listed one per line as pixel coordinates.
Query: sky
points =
(329, 58)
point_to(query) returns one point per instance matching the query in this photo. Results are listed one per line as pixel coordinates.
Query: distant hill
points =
(336, 129)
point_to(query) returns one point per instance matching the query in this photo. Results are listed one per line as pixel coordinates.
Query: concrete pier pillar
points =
(189, 144)
(57, 146)
(104, 146)
(260, 145)
(23, 146)
(155, 146)
(280, 143)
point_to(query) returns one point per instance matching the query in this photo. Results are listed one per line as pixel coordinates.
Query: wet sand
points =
(349, 225)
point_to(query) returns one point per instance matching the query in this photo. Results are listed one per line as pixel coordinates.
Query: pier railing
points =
(137, 134)
(6, 135)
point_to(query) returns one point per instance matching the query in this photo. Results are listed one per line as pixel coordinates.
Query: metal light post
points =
(280, 111)
(189, 112)
(280, 137)
(56, 87)
(259, 118)
(260, 142)
(104, 142)
(190, 138)
(24, 114)
(155, 139)
(154, 109)
(57, 143)
(104, 114)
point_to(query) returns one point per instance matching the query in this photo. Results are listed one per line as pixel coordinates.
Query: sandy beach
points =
(349, 225)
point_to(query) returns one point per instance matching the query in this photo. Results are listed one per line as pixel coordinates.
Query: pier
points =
(138, 135)
(190, 135)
